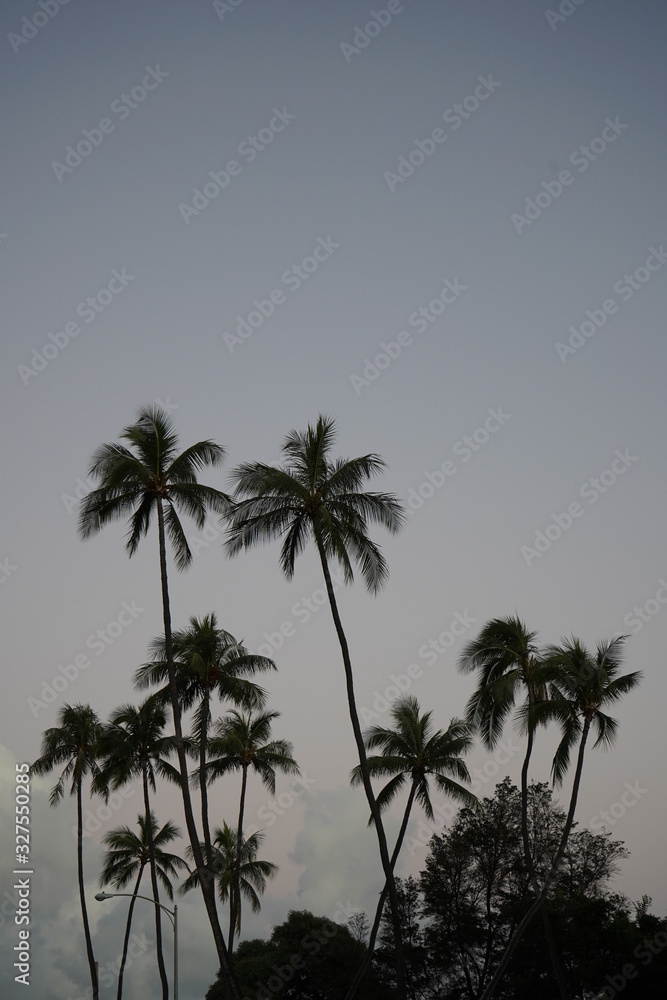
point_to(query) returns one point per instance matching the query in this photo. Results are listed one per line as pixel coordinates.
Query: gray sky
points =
(496, 166)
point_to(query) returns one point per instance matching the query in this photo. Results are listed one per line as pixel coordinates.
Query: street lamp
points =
(173, 916)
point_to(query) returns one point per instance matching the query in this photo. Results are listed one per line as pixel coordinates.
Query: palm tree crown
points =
(585, 684)
(133, 480)
(254, 874)
(208, 660)
(73, 744)
(313, 496)
(129, 853)
(508, 660)
(241, 741)
(134, 741)
(413, 750)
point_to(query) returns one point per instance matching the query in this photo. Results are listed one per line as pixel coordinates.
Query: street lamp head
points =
(103, 895)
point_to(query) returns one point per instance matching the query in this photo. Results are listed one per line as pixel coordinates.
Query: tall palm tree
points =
(209, 661)
(128, 856)
(72, 745)
(315, 497)
(586, 683)
(511, 666)
(412, 751)
(253, 874)
(134, 745)
(148, 479)
(242, 742)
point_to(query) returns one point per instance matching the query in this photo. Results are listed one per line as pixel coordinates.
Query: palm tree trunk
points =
(551, 944)
(82, 894)
(235, 894)
(126, 939)
(156, 896)
(205, 879)
(518, 933)
(368, 788)
(203, 788)
(368, 957)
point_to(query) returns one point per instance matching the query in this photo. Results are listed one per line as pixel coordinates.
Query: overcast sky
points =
(447, 231)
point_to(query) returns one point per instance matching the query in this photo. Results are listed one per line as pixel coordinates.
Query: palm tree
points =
(314, 496)
(134, 745)
(128, 855)
(586, 684)
(151, 478)
(412, 751)
(73, 745)
(252, 874)
(510, 666)
(208, 661)
(242, 742)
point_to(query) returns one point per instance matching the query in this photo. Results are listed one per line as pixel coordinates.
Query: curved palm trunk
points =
(551, 944)
(368, 958)
(368, 788)
(156, 896)
(235, 894)
(126, 939)
(82, 894)
(205, 879)
(203, 787)
(518, 933)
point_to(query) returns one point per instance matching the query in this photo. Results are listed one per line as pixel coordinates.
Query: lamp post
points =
(173, 916)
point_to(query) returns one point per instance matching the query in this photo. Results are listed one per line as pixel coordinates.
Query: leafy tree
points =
(419, 976)
(73, 745)
(412, 751)
(306, 958)
(134, 745)
(510, 666)
(242, 742)
(475, 889)
(315, 497)
(128, 856)
(586, 683)
(208, 661)
(146, 480)
(252, 874)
